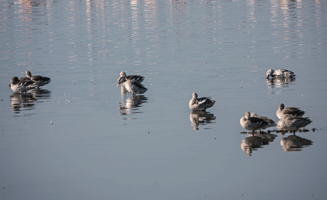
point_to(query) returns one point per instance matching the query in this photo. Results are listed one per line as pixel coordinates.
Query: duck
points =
(21, 87)
(253, 123)
(200, 103)
(132, 86)
(38, 80)
(293, 123)
(136, 78)
(280, 73)
(270, 122)
(283, 112)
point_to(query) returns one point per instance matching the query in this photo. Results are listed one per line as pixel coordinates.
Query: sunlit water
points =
(79, 137)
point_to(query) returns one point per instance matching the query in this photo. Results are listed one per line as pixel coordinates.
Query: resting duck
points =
(201, 103)
(132, 86)
(253, 123)
(280, 73)
(283, 112)
(292, 123)
(38, 80)
(270, 122)
(21, 87)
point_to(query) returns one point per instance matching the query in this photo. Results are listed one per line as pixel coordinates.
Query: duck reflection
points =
(198, 117)
(131, 105)
(294, 143)
(279, 83)
(27, 101)
(41, 94)
(255, 141)
(293, 124)
(22, 101)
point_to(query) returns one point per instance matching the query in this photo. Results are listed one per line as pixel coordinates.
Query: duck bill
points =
(118, 85)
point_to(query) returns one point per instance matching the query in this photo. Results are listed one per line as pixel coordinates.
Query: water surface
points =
(81, 138)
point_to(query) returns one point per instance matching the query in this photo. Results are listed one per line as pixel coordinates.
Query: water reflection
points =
(198, 117)
(41, 94)
(131, 105)
(255, 141)
(20, 102)
(278, 83)
(294, 143)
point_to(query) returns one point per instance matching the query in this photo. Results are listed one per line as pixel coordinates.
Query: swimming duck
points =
(270, 122)
(21, 87)
(253, 123)
(292, 123)
(38, 80)
(283, 112)
(132, 86)
(280, 73)
(201, 103)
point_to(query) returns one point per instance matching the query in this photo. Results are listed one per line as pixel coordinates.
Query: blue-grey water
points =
(79, 137)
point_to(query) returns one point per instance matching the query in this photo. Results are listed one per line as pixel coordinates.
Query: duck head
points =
(270, 72)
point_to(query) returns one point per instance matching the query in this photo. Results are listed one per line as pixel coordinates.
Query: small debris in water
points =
(51, 123)
(241, 86)
(314, 129)
(67, 101)
(244, 132)
(305, 130)
(58, 101)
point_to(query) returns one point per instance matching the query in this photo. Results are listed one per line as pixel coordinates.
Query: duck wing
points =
(40, 78)
(135, 78)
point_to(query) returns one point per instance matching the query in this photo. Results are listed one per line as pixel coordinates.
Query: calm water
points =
(81, 138)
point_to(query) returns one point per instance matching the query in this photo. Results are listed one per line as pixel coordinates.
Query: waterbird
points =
(292, 123)
(21, 87)
(200, 103)
(279, 73)
(283, 112)
(38, 80)
(136, 78)
(253, 123)
(132, 86)
(270, 122)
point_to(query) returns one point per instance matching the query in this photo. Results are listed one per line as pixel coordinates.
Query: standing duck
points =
(283, 112)
(292, 123)
(201, 103)
(270, 122)
(132, 86)
(253, 123)
(280, 73)
(38, 80)
(21, 87)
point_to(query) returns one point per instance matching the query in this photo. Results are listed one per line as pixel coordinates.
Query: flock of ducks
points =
(290, 118)
(29, 82)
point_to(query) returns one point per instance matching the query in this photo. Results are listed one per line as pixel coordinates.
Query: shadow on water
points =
(273, 83)
(255, 141)
(21, 102)
(201, 118)
(131, 105)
